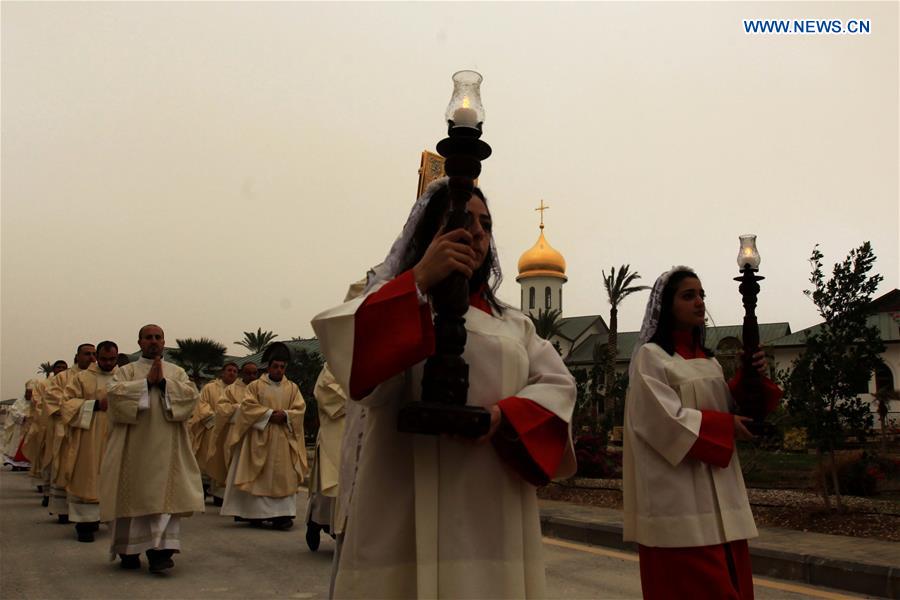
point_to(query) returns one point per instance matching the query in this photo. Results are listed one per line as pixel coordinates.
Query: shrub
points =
(795, 439)
(594, 460)
(860, 473)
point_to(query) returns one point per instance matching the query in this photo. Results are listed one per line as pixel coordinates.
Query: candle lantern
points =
(445, 380)
(465, 108)
(750, 396)
(748, 254)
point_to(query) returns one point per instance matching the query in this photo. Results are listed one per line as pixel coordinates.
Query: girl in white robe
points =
(684, 496)
(434, 516)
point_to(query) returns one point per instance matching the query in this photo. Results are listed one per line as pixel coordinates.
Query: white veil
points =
(401, 249)
(653, 310)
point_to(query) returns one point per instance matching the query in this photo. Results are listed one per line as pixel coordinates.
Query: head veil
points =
(653, 310)
(402, 252)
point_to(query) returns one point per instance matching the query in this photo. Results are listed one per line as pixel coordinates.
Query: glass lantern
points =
(748, 254)
(465, 108)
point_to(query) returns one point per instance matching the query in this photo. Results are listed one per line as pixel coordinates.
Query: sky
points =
(218, 167)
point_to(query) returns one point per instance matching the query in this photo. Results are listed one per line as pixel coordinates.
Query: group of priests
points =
(136, 446)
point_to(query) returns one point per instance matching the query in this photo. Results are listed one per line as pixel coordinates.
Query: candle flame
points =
(465, 102)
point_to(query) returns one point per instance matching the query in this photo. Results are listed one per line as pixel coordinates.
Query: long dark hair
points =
(487, 277)
(662, 337)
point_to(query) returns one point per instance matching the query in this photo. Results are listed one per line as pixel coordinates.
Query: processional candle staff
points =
(750, 402)
(445, 381)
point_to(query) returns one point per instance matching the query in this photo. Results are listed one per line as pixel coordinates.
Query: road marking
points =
(591, 549)
(766, 583)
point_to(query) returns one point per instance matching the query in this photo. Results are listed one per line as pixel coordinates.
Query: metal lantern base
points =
(435, 418)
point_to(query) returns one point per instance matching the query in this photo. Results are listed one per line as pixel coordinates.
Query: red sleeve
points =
(540, 437)
(715, 444)
(392, 332)
(771, 393)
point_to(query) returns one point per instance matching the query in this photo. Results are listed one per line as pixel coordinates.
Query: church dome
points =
(542, 260)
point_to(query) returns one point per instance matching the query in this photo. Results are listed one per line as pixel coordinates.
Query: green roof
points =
(310, 345)
(626, 340)
(888, 327)
(571, 328)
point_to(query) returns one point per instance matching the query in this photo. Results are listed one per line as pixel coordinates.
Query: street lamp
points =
(750, 399)
(445, 381)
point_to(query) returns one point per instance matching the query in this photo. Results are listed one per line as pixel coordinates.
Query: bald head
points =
(152, 341)
(141, 330)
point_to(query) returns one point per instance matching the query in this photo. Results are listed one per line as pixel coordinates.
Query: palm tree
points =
(46, 368)
(618, 287)
(257, 342)
(197, 356)
(546, 323)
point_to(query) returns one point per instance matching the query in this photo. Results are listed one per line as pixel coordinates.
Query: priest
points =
(331, 402)
(270, 462)
(149, 477)
(203, 420)
(83, 411)
(36, 439)
(85, 356)
(218, 459)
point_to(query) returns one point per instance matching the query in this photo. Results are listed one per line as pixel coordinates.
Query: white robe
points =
(439, 517)
(672, 500)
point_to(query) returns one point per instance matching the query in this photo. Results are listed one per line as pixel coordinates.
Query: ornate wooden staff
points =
(750, 402)
(445, 381)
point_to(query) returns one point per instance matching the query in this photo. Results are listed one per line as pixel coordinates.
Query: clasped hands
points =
(155, 376)
(279, 417)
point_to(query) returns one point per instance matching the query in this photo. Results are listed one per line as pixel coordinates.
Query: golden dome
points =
(542, 260)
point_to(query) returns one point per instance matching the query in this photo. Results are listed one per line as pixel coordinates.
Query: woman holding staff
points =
(438, 516)
(685, 501)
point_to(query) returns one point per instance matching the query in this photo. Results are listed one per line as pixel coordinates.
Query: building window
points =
(884, 379)
(547, 298)
(531, 298)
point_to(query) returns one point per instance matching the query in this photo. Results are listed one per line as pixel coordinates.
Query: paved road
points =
(222, 559)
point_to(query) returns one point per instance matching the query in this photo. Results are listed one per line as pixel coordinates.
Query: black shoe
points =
(94, 527)
(85, 532)
(282, 523)
(239, 519)
(255, 522)
(62, 519)
(130, 561)
(312, 536)
(160, 560)
(45, 502)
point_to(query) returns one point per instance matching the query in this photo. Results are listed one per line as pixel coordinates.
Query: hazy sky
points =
(218, 167)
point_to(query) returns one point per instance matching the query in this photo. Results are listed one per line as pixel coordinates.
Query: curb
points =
(851, 576)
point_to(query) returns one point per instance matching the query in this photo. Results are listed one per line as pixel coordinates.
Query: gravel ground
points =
(791, 509)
